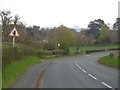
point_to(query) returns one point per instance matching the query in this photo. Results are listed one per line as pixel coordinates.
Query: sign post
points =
(13, 34)
(13, 41)
(58, 46)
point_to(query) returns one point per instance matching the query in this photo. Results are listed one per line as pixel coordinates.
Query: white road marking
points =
(92, 76)
(84, 71)
(107, 85)
(78, 66)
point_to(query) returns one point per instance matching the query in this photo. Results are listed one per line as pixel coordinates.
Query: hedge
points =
(42, 54)
(10, 53)
(59, 52)
(112, 49)
(91, 51)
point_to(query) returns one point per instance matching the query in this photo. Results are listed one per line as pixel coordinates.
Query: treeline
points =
(98, 32)
(57, 39)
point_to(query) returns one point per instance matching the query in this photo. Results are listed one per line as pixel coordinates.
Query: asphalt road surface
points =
(71, 72)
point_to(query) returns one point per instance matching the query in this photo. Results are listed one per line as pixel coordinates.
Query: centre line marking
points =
(78, 66)
(92, 76)
(107, 85)
(84, 71)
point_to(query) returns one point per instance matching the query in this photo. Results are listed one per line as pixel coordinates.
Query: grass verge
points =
(97, 47)
(14, 70)
(0, 79)
(112, 62)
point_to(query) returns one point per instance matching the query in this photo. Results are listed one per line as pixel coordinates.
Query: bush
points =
(58, 52)
(41, 54)
(67, 51)
(48, 53)
(61, 52)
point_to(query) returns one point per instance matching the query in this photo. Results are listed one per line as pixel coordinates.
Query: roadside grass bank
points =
(17, 68)
(110, 61)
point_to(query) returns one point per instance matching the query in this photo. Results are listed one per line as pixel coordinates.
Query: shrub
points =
(41, 54)
(66, 51)
(48, 53)
(60, 52)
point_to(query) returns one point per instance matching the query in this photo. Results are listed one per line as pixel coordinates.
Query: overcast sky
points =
(71, 13)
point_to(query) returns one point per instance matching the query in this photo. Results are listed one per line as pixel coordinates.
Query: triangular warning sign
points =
(14, 33)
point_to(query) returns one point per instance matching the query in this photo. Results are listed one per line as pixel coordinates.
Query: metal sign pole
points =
(13, 41)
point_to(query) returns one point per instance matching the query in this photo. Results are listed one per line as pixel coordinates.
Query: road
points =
(72, 72)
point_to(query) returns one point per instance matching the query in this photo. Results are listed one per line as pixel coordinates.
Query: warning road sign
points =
(14, 33)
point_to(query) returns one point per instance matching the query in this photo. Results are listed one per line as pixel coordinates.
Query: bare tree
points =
(6, 19)
(15, 20)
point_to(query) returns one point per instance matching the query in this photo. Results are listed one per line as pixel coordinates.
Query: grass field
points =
(16, 69)
(99, 47)
(112, 62)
